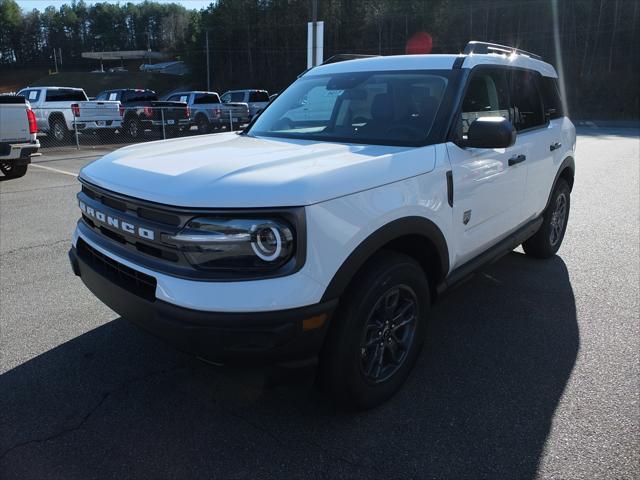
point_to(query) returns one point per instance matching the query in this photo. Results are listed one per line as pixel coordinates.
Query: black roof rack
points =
(343, 57)
(485, 47)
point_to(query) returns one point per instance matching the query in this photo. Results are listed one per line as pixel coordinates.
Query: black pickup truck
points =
(141, 110)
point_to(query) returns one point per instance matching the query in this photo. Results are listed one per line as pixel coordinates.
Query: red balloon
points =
(419, 43)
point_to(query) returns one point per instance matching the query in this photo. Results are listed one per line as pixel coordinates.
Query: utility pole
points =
(208, 74)
(55, 60)
(60, 55)
(314, 32)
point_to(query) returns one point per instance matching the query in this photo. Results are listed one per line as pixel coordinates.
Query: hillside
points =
(93, 83)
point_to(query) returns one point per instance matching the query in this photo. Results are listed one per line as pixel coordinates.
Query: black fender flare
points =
(569, 163)
(394, 230)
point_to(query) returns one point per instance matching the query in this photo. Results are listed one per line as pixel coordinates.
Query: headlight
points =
(238, 244)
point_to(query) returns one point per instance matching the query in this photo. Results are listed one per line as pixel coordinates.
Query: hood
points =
(227, 170)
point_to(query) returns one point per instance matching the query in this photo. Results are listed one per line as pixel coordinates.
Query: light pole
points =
(314, 32)
(207, 49)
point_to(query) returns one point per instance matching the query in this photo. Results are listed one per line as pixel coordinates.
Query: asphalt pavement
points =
(531, 368)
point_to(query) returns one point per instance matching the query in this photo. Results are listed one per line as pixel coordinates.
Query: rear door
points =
(35, 96)
(488, 192)
(535, 137)
(257, 101)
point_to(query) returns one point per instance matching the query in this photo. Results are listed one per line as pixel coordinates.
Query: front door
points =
(488, 191)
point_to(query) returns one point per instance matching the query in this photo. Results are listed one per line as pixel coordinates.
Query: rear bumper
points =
(275, 337)
(94, 125)
(20, 153)
(167, 123)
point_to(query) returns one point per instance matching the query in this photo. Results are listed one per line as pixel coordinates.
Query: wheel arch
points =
(129, 116)
(566, 171)
(417, 237)
(53, 116)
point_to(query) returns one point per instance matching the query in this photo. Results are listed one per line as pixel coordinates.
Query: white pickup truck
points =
(60, 111)
(17, 135)
(207, 112)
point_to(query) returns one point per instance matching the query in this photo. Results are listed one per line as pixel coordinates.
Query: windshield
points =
(389, 108)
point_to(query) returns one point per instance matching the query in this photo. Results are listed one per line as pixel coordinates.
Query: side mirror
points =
(489, 132)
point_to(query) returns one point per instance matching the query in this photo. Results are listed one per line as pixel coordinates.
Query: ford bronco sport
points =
(326, 229)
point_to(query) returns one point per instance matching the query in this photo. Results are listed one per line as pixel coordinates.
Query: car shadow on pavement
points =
(117, 403)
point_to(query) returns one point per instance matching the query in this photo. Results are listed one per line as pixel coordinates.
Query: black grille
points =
(163, 222)
(130, 205)
(138, 283)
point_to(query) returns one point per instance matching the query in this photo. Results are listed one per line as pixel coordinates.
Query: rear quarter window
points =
(551, 97)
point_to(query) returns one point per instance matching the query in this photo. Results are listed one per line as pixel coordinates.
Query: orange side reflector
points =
(314, 322)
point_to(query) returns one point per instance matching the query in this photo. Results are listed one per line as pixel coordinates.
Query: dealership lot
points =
(531, 367)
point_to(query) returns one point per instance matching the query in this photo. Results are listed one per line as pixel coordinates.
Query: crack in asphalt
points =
(91, 412)
(21, 249)
(73, 184)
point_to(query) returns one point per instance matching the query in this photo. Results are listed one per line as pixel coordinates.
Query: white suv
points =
(329, 235)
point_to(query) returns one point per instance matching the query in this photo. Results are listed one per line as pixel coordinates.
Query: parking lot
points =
(531, 369)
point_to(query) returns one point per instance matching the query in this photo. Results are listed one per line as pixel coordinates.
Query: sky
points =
(28, 5)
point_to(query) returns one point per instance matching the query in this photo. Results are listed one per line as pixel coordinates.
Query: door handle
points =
(517, 159)
(554, 146)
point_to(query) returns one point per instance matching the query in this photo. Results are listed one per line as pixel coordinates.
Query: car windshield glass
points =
(393, 108)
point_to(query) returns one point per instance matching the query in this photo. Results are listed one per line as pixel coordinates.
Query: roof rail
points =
(343, 57)
(485, 47)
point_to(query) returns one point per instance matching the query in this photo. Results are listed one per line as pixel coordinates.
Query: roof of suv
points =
(433, 62)
(245, 90)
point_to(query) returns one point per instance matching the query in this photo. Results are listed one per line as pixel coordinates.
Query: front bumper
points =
(278, 337)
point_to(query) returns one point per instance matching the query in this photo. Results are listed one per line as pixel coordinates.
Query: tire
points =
(203, 124)
(13, 171)
(356, 368)
(132, 128)
(106, 135)
(58, 130)
(547, 240)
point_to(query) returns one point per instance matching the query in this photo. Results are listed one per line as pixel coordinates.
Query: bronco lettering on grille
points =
(117, 223)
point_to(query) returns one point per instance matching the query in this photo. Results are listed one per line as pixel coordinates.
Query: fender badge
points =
(466, 216)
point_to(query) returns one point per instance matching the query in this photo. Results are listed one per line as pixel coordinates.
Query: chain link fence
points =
(73, 127)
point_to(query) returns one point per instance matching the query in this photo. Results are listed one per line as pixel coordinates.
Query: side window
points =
(102, 96)
(65, 95)
(237, 96)
(258, 97)
(487, 96)
(31, 95)
(205, 98)
(551, 97)
(526, 103)
(226, 98)
(173, 98)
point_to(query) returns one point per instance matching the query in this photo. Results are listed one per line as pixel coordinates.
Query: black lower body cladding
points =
(277, 337)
